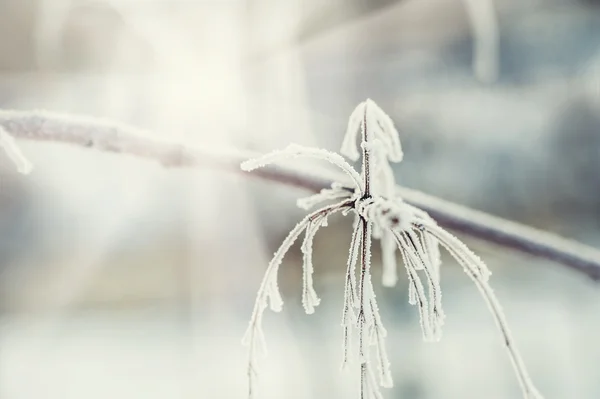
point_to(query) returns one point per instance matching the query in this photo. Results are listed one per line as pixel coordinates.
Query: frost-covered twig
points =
(476, 269)
(108, 136)
(384, 147)
(269, 289)
(416, 234)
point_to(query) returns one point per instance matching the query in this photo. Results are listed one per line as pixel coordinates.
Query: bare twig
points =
(108, 136)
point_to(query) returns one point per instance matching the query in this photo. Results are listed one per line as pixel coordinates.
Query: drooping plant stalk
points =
(418, 237)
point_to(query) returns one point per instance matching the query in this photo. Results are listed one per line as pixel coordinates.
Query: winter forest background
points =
(123, 279)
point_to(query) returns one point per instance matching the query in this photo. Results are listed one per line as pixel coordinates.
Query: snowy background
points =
(121, 279)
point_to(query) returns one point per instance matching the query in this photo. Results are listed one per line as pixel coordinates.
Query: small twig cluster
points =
(370, 196)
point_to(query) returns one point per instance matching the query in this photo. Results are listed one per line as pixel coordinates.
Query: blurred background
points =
(122, 279)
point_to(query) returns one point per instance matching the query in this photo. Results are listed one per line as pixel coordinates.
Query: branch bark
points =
(112, 137)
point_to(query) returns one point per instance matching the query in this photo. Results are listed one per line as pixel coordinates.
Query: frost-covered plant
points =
(381, 214)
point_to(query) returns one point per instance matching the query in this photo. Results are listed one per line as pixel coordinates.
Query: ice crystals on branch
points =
(384, 147)
(381, 214)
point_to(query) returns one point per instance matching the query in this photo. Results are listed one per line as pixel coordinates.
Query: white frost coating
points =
(460, 250)
(309, 296)
(378, 334)
(435, 291)
(434, 310)
(433, 250)
(413, 245)
(382, 214)
(327, 194)
(350, 296)
(473, 266)
(529, 239)
(383, 127)
(14, 153)
(355, 245)
(268, 288)
(371, 388)
(272, 292)
(377, 122)
(412, 293)
(369, 325)
(383, 363)
(417, 292)
(349, 148)
(383, 147)
(294, 151)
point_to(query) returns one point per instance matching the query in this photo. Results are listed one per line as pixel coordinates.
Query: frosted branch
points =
(106, 136)
(418, 254)
(294, 151)
(309, 296)
(269, 290)
(369, 116)
(416, 290)
(350, 296)
(477, 271)
(327, 194)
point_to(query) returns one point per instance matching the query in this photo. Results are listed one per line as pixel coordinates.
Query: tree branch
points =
(107, 136)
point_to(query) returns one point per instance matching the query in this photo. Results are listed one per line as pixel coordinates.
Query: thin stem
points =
(295, 150)
(350, 300)
(473, 267)
(366, 165)
(362, 320)
(268, 289)
(112, 137)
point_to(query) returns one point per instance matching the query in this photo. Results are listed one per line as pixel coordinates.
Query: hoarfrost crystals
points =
(378, 123)
(309, 296)
(398, 225)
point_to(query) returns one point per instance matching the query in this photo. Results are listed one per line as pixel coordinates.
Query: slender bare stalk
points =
(478, 272)
(112, 137)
